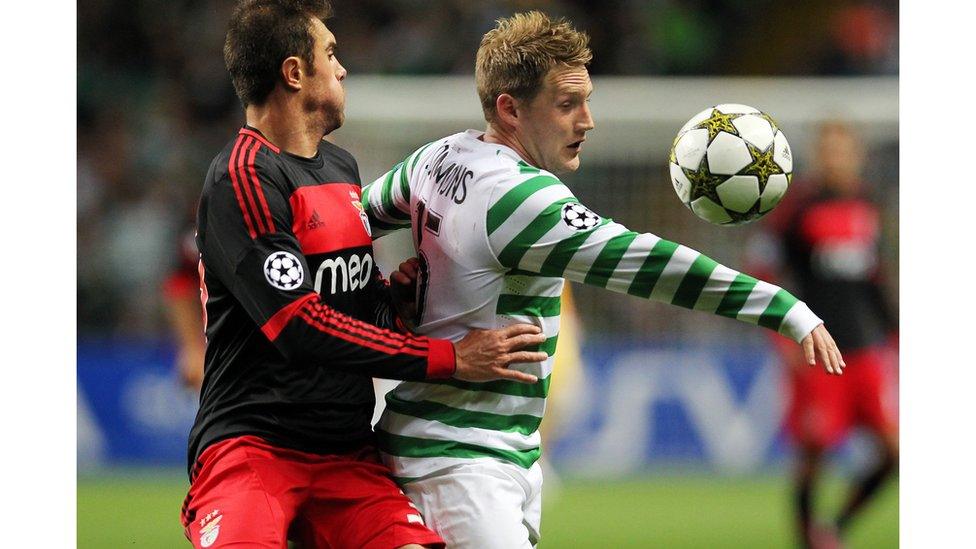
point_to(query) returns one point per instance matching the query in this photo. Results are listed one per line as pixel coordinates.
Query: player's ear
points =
(291, 73)
(506, 109)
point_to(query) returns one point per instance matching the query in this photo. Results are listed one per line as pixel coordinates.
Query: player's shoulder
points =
(515, 174)
(497, 164)
(337, 155)
(248, 155)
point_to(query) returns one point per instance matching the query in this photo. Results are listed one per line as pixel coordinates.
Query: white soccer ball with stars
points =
(731, 164)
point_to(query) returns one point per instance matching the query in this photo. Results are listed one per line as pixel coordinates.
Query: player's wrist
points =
(441, 359)
(799, 322)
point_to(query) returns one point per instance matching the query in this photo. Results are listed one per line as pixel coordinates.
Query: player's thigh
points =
(476, 507)
(230, 502)
(876, 392)
(822, 408)
(356, 504)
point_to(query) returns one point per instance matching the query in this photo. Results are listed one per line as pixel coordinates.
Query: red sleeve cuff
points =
(441, 362)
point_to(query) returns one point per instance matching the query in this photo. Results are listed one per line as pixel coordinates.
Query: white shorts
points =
(482, 505)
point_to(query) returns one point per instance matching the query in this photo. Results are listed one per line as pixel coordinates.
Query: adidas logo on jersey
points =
(315, 222)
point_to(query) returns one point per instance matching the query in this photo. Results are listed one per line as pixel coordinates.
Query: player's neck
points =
(499, 136)
(285, 126)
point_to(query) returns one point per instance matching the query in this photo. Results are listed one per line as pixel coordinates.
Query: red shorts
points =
(247, 493)
(823, 407)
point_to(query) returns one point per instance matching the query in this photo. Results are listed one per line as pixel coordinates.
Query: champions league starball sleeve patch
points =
(283, 271)
(579, 217)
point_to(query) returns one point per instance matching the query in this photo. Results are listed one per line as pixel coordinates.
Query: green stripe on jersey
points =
(404, 183)
(512, 253)
(781, 304)
(511, 200)
(527, 305)
(736, 296)
(455, 417)
(651, 270)
(384, 226)
(563, 252)
(539, 389)
(610, 256)
(525, 168)
(416, 155)
(386, 194)
(422, 448)
(694, 282)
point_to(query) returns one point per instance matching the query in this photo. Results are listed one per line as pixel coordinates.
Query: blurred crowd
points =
(155, 103)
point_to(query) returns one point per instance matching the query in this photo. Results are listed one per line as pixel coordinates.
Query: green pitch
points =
(665, 511)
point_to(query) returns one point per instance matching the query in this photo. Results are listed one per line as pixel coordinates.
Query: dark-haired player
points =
(297, 317)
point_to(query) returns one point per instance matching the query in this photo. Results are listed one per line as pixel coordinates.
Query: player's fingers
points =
(400, 278)
(838, 359)
(519, 329)
(515, 375)
(410, 268)
(823, 352)
(831, 353)
(523, 341)
(808, 350)
(525, 356)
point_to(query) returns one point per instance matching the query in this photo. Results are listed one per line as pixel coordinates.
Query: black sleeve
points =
(249, 245)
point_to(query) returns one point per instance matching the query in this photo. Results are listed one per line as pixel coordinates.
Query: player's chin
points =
(334, 120)
(572, 163)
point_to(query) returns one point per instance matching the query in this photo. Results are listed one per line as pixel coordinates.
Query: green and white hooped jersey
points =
(496, 238)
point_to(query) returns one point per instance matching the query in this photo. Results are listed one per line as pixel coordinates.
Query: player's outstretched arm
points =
(543, 229)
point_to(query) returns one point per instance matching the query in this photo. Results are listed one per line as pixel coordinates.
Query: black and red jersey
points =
(832, 247)
(297, 314)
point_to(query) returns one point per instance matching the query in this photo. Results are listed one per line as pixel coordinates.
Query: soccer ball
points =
(731, 164)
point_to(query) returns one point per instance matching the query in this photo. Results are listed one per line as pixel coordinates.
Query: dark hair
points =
(261, 35)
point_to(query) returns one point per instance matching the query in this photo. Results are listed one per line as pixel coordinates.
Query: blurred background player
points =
(181, 291)
(827, 239)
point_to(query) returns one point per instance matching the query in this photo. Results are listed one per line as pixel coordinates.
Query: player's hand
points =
(403, 289)
(820, 346)
(484, 355)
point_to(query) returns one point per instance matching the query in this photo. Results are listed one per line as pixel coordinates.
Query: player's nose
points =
(585, 123)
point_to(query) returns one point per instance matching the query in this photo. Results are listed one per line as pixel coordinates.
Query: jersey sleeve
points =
(539, 227)
(387, 199)
(247, 242)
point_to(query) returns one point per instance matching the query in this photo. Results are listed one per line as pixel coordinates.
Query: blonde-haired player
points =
(496, 233)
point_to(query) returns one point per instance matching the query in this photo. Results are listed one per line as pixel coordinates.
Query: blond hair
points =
(516, 55)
